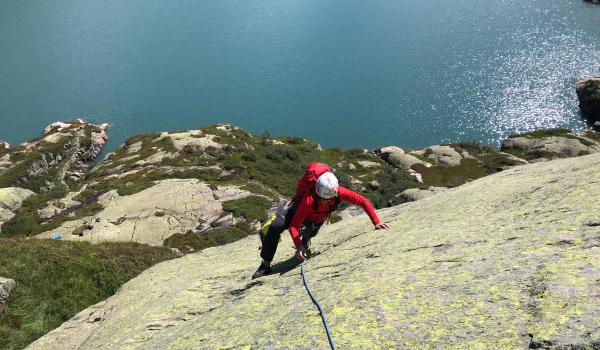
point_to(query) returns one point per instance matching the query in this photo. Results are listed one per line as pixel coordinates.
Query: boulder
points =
(134, 148)
(368, 164)
(11, 198)
(415, 194)
(7, 286)
(588, 92)
(374, 185)
(191, 138)
(384, 151)
(551, 147)
(404, 160)
(444, 156)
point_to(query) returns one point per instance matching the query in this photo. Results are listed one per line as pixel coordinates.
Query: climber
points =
(317, 196)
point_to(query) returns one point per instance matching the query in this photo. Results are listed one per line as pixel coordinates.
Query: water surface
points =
(345, 73)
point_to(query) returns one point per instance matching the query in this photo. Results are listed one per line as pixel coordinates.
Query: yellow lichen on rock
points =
(503, 262)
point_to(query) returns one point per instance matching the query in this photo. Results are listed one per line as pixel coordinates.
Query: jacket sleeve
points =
(304, 209)
(346, 195)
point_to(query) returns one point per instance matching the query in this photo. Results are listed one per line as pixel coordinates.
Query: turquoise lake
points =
(345, 73)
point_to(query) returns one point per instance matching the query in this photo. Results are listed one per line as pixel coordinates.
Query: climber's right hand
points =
(301, 253)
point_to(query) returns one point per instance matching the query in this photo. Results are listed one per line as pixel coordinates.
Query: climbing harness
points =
(331, 343)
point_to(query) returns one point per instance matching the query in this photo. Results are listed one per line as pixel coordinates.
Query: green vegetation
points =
(256, 188)
(194, 241)
(391, 183)
(251, 208)
(515, 152)
(56, 280)
(468, 170)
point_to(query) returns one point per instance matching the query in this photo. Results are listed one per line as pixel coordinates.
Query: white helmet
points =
(327, 186)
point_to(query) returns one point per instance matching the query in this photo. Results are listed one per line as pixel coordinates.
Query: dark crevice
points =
(198, 313)
(554, 345)
(241, 291)
(562, 242)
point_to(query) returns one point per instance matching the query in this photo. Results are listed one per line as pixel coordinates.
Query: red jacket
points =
(306, 212)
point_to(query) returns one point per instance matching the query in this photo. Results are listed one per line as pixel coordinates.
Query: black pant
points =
(280, 224)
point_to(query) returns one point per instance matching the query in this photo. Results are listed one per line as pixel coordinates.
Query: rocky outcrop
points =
(507, 261)
(544, 148)
(11, 199)
(588, 92)
(61, 154)
(173, 206)
(7, 286)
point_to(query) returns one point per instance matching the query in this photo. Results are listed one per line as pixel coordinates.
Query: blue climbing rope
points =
(318, 306)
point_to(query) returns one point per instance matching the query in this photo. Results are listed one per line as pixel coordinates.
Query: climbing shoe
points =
(261, 271)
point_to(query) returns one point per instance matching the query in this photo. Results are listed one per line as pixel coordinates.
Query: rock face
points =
(588, 92)
(172, 206)
(7, 286)
(507, 261)
(61, 154)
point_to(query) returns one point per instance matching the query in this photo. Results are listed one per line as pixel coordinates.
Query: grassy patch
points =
(258, 189)
(391, 182)
(4, 150)
(467, 171)
(56, 280)
(26, 221)
(495, 161)
(335, 218)
(197, 241)
(515, 152)
(251, 207)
